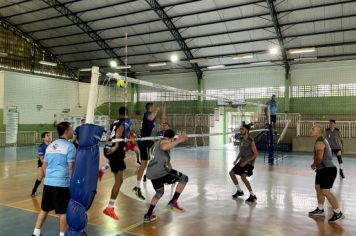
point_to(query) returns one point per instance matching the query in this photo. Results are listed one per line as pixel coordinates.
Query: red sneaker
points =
(101, 173)
(111, 213)
(174, 206)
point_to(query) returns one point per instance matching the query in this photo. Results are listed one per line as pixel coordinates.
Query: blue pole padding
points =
(84, 179)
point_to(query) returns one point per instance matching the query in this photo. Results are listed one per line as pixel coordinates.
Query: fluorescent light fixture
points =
(216, 67)
(122, 67)
(174, 58)
(301, 50)
(274, 51)
(305, 58)
(47, 63)
(202, 60)
(113, 63)
(157, 64)
(260, 63)
(3, 54)
(248, 56)
(85, 69)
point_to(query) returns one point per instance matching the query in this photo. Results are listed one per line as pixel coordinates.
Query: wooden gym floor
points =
(285, 194)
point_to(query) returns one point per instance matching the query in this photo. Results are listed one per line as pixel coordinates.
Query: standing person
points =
(160, 172)
(115, 153)
(336, 143)
(244, 163)
(164, 123)
(131, 145)
(273, 107)
(58, 165)
(46, 140)
(148, 123)
(325, 176)
(76, 133)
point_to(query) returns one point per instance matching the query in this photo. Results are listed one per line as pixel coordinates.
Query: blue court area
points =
(285, 194)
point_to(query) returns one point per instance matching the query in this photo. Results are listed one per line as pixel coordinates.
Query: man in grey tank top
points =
(325, 176)
(336, 143)
(160, 172)
(244, 163)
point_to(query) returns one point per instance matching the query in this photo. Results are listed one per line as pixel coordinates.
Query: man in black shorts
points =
(160, 172)
(273, 106)
(336, 143)
(244, 163)
(58, 163)
(115, 153)
(148, 123)
(325, 176)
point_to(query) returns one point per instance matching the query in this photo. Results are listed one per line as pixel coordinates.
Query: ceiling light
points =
(47, 63)
(122, 67)
(301, 50)
(202, 60)
(305, 58)
(216, 67)
(85, 69)
(174, 58)
(157, 64)
(3, 54)
(113, 63)
(274, 51)
(248, 56)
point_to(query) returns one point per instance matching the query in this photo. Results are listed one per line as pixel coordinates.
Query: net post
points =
(93, 95)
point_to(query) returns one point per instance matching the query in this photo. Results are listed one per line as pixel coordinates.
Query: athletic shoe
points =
(173, 205)
(251, 198)
(149, 219)
(317, 212)
(111, 213)
(137, 192)
(336, 217)
(101, 173)
(342, 174)
(238, 193)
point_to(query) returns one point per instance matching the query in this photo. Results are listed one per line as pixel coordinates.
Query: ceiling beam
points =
(277, 28)
(8, 25)
(84, 27)
(177, 36)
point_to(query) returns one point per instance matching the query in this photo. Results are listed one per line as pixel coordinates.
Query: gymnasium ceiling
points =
(202, 33)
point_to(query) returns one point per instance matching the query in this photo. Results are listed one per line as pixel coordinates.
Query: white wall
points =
(244, 78)
(186, 81)
(25, 91)
(324, 73)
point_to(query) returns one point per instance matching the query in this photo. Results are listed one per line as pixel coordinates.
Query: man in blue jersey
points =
(46, 140)
(148, 123)
(115, 153)
(273, 107)
(58, 164)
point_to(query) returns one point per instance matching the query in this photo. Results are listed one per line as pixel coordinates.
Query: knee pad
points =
(159, 193)
(339, 159)
(183, 179)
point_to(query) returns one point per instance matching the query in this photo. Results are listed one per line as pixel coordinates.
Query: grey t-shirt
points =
(246, 150)
(159, 165)
(333, 137)
(327, 157)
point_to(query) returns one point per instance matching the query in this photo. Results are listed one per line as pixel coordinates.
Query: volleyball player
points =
(244, 163)
(148, 123)
(336, 143)
(325, 176)
(160, 172)
(46, 140)
(115, 153)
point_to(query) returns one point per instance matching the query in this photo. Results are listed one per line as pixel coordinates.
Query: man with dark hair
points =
(115, 153)
(160, 172)
(244, 163)
(273, 106)
(325, 176)
(148, 123)
(336, 143)
(46, 140)
(58, 165)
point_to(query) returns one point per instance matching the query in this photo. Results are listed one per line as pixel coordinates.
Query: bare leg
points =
(41, 219)
(331, 198)
(320, 196)
(141, 169)
(180, 187)
(62, 223)
(233, 177)
(246, 182)
(117, 185)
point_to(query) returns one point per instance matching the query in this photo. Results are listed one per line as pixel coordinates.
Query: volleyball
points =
(121, 83)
